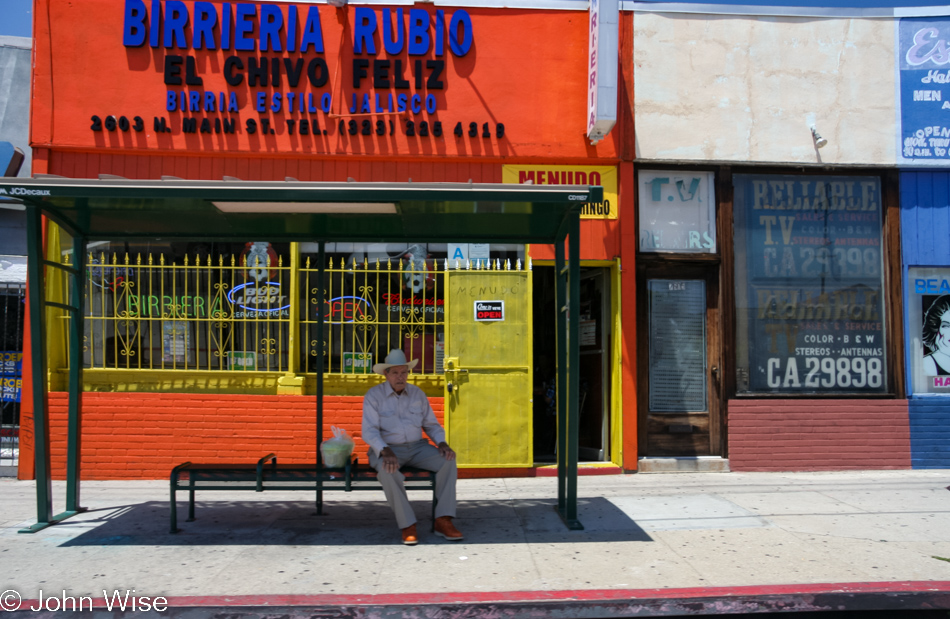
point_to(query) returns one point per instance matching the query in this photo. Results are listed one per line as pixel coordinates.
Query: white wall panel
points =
(748, 89)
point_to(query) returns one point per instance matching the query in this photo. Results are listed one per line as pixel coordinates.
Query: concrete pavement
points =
(718, 535)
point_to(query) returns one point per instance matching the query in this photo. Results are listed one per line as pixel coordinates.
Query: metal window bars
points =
(224, 314)
(12, 312)
(372, 307)
(202, 314)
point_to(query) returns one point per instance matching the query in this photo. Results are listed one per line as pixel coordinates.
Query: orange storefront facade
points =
(174, 370)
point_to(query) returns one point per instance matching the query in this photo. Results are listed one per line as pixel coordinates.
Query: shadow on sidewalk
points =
(343, 523)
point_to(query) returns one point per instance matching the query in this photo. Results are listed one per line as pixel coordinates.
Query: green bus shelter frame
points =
(114, 209)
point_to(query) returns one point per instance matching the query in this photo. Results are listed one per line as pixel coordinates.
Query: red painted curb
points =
(574, 596)
(577, 604)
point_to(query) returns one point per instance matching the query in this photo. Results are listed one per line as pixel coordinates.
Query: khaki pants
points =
(423, 455)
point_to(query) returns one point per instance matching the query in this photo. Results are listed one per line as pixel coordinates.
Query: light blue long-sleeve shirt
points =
(391, 419)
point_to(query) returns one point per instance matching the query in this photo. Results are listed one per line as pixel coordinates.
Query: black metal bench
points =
(267, 474)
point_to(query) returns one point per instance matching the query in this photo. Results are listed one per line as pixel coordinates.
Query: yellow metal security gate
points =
(488, 365)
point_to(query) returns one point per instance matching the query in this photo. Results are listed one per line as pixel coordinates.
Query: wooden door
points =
(680, 361)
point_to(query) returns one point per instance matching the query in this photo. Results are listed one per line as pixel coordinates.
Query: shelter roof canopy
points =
(292, 210)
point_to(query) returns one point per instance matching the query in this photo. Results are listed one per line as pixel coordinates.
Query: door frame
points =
(708, 270)
(615, 407)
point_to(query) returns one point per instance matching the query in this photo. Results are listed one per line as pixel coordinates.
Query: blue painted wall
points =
(925, 242)
(929, 432)
(925, 218)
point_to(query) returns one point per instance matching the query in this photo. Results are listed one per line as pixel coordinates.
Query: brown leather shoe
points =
(445, 528)
(409, 536)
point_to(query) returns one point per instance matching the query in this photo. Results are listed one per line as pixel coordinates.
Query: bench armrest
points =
(177, 471)
(260, 469)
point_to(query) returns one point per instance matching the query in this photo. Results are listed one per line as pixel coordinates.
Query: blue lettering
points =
(275, 102)
(272, 20)
(226, 26)
(171, 101)
(232, 103)
(154, 26)
(353, 107)
(461, 47)
(325, 101)
(176, 17)
(439, 32)
(310, 106)
(416, 104)
(363, 30)
(261, 102)
(312, 32)
(920, 285)
(203, 30)
(418, 32)
(393, 47)
(364, 109)
(194, 98)
(401, 103)
(243, 27)
(209, 102)
(291, 27)
(430, 104)
(133, 27)
(379, 108)
(944, 287)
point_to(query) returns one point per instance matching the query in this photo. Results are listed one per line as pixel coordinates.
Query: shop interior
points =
(595, 337)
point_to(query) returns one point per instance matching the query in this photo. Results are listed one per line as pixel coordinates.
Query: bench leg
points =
(191, 504)
(174, 511)
(435, 501)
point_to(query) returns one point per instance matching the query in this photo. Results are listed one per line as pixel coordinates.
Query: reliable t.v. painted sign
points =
(284, 78)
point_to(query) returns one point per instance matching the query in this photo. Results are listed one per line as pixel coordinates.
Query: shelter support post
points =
(74, 430)
(567, 295)
(321, 341)
(36, 291)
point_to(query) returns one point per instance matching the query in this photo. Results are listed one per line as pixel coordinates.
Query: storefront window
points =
(928, 329)
(677, 212)
(188, 307)
(377, 297)
(381, 296)
(231, 307)
(809, 284)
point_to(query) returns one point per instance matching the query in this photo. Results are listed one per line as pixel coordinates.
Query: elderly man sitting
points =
(394, 415)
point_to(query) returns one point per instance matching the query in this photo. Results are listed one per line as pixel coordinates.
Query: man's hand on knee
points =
(390, 461)
(446, 451)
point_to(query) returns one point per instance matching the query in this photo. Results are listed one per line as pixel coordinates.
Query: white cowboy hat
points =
(394, 358)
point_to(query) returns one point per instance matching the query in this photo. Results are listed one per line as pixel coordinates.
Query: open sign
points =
(489, 311)
(347, 309)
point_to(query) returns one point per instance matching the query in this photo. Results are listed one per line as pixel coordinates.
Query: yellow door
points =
(488, 367)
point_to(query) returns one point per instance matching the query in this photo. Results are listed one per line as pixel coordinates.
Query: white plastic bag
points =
(337, 450)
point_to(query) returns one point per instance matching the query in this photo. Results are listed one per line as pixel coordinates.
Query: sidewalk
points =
(754, 536)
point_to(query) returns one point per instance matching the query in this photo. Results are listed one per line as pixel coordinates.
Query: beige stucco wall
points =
(747, 89)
